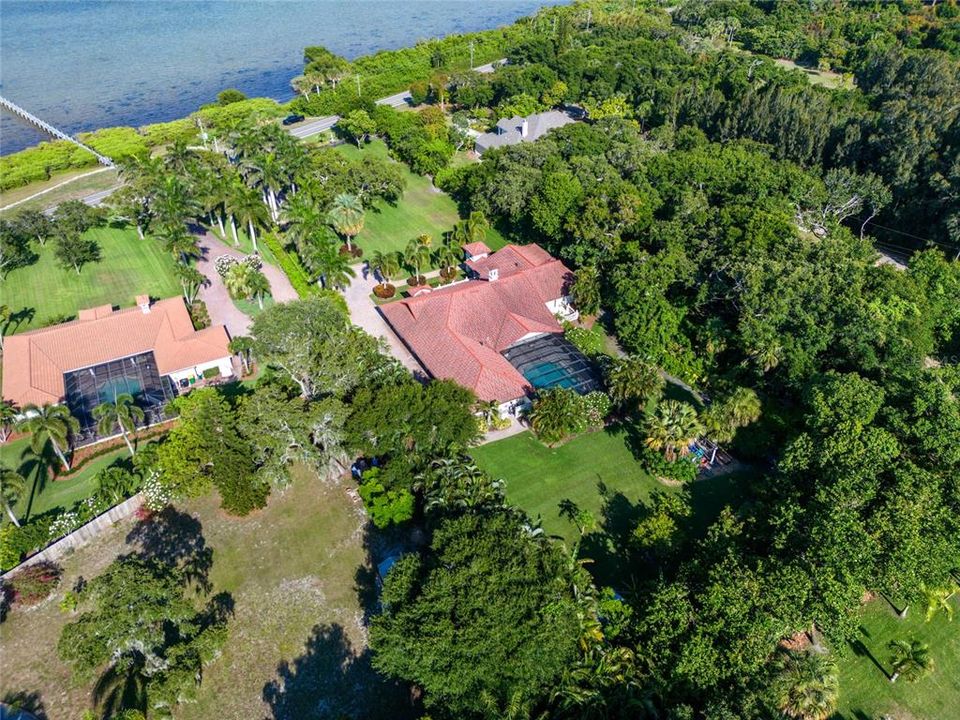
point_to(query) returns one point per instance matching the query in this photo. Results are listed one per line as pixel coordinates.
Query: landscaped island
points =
(587, 385)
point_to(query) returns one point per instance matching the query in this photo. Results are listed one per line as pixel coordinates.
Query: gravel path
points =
(214, 294)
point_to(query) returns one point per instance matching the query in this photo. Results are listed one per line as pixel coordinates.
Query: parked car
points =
(291, 119)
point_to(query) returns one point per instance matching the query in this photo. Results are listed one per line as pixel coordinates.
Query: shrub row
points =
(290, 264)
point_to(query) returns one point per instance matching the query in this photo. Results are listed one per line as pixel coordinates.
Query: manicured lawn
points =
(865, 689)
(44, 494)
(584, 470)
(44, 291)
(292, 571)
(251, 308)
(422, 209)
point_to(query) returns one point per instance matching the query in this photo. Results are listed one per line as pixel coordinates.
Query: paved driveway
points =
(364, 313)
(214, 294)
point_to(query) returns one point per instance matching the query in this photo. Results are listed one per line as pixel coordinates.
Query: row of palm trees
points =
(51, 428)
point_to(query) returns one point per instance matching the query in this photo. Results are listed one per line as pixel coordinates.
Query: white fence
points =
(83, 534)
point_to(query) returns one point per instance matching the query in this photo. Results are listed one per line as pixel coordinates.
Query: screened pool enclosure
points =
(550, 361)
(136, 375)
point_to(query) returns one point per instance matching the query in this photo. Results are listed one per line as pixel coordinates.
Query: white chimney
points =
(524, 128)
(144, 302)
(493, 274)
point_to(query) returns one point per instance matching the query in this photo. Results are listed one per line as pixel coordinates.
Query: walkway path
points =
(214, 294)
(364, 313)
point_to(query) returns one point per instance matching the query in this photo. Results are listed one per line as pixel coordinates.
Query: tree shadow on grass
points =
(332, 681)
(861, 650)
(175, 538)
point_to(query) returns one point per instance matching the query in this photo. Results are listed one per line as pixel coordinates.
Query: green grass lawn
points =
(46, 494)
(865, 688)
(251, 308)
(539, 478)
(422, 210)
(129, 267)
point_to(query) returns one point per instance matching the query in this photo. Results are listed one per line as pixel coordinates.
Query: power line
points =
(909, 235)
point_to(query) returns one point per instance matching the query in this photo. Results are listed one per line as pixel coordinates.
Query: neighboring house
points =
(150, 351)
(515, 130)
(498, 333)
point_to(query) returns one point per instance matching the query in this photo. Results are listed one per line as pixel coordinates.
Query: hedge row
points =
(291, 266)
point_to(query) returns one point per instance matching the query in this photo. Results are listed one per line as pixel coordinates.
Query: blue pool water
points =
(110, 389)
(549, 374)
(86, 64)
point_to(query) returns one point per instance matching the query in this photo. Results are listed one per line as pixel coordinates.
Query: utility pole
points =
(358, 86)
(589, 15)
(471, 53)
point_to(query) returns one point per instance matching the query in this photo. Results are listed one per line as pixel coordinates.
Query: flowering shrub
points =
(587, 342)
(596, 405)
(156, 494)
(223, 264)
(253, 260)
(64, 524)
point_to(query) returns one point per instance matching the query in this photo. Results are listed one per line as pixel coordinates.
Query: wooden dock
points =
(50, 129)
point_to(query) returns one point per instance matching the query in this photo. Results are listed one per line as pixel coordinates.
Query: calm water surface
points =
(86, 64)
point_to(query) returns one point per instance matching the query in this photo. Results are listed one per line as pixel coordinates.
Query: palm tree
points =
(634, 382)
(179, 243)
(12, 486)
(346, 216)
(237, 280)
(122, 413)
(806, 687)
(50, 424)
(331, 267)
(447, 257)
(271, 174)
(555, 414)
(302, 218)
(416, 255)
(242, 345)
(723, 418)
(258, 286)
(673, 425)
(386, 264)
(938, 600)
(191, 280)
(250, 211)
(477, 226)
(911, 659)
(8, 417)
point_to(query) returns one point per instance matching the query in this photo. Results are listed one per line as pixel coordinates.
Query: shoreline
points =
(266, 73)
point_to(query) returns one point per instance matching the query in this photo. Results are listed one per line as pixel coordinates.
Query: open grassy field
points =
(422, 209)
(44, 291)
(297, 645)
(865, 687)
(597, 471)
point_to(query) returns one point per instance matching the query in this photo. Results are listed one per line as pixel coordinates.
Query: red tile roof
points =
(476, 248)
(458, 332)
(34, 362)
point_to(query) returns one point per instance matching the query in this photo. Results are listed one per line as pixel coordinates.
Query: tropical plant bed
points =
(354, 251)
(385, 291)
(415, 282)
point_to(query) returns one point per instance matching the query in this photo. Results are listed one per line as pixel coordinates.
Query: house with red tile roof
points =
(150, 351)
(461, 331)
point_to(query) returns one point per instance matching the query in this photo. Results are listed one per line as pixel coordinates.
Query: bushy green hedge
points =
(682, 470)
(290, 264)
(41, 162)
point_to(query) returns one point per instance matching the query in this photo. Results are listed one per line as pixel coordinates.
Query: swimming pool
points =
(550, 361)
(549, 374)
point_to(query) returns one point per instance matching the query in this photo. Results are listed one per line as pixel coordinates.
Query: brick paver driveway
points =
(214, 294)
